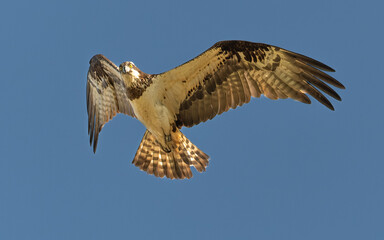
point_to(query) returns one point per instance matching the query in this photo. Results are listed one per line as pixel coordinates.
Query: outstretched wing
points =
(106, 95)
(231, 72)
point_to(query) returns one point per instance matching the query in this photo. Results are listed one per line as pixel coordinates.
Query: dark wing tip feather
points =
(323, 100)
(312, 66)
(341, 86)
(95, 142)
(309, 61)
(327, 103)
(320, 85)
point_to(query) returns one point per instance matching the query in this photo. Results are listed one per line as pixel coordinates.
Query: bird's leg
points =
(167, 139)
(170, 137)
(165, 142)
(167, 136)
(166, 149)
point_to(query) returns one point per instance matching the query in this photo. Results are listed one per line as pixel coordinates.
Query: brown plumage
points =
(175, 164)
(225, 76)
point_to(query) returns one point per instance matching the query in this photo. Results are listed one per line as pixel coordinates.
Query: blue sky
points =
(278, 169)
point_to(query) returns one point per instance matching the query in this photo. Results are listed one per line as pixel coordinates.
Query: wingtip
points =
(96, 57)
(341, 86)
(331, 107)
(321, 65)
(94, 148)
(307, 60)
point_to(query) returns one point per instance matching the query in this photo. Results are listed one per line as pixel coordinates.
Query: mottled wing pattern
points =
(106, 95)
(231, 72)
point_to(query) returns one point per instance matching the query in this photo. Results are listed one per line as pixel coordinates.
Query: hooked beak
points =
(126, 69)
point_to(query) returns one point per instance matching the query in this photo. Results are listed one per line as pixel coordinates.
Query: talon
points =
(168, 138)
(166, 149)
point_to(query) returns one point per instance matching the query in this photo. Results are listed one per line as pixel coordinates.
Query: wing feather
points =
(231, 72)
(106, 96)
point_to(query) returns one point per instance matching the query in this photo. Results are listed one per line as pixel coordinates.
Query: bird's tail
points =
(151, 158)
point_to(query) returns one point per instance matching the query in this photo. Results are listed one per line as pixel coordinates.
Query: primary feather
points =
(225, 76)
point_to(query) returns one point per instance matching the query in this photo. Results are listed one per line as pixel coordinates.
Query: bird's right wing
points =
(106, 95)
(231, 72)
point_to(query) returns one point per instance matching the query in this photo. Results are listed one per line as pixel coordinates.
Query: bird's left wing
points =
(231, 72)
(106, 95)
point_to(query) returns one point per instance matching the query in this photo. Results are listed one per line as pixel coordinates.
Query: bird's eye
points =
(130, 65)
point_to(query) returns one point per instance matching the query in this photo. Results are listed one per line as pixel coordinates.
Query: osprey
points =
(225, 76)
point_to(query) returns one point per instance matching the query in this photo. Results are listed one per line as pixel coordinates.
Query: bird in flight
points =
(225, 76)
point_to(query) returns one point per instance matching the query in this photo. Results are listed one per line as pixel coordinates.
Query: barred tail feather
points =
(151, 158)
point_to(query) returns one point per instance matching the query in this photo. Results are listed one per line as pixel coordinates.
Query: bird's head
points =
(129, 72)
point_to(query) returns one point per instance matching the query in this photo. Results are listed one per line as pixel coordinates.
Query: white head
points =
(128, 69)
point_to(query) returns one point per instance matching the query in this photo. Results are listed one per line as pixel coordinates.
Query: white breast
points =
(151, 111)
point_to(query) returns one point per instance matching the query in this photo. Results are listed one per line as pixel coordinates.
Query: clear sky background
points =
(278, 169)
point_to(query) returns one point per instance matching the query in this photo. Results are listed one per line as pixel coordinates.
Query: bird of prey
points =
(225, 76)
